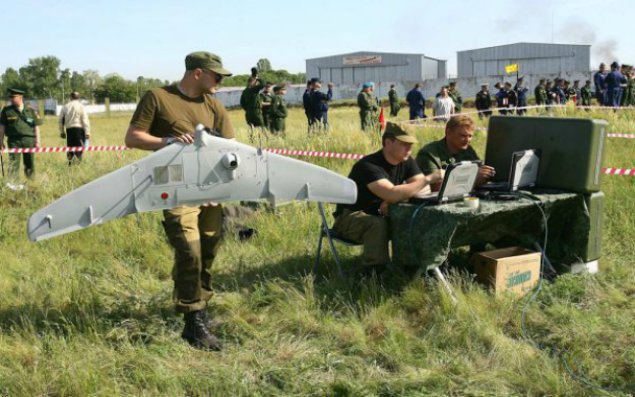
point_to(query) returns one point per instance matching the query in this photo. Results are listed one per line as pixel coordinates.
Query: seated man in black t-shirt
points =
(388, 176)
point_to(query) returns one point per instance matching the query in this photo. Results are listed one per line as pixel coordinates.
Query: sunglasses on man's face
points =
(216, 76)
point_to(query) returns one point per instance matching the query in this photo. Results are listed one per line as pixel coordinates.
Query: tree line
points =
(44, 78)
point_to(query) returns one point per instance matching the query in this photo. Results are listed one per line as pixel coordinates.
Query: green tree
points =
(92, 80)
(78, 83)
(41, 76)
(65, 84)
(11, 79)
(263, 65)
(118, 89)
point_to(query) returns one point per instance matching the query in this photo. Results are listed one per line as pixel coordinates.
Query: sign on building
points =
(362, 60)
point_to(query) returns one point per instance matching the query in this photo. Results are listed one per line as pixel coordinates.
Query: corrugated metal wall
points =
(533, 58)
(392, 68)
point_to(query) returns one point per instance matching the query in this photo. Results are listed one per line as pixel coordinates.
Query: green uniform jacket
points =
(457, 99)
(266, 110)
(367, 108)
(586, 95)
(251, 102)
(19, 127)
(393, 100)
(540, 92)
(435, 156)
(278, 113)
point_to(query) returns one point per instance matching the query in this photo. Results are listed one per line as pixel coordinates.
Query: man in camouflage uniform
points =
(586, 95)
(250, 101)
(483, 102)
(278, 110)
(367, 107)
(169, 115)
(540, 93)
(20, 123)
(265, 102)
(569, 92)
(393, 100)
(456, 97)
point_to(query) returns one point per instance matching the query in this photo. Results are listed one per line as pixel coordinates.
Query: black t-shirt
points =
(371, 169)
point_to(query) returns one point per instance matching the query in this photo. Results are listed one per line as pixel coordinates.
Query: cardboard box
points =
(514, 269)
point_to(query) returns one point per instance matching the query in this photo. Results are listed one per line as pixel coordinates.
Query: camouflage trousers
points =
(370, 230)
(195, 235)
(28, 159)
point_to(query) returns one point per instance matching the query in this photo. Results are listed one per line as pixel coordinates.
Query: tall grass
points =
(90, 313)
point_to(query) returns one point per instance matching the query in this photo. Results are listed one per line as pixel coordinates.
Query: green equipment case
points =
(593, 247)
(571, 149)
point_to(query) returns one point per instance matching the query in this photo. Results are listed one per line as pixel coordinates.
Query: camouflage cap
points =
(398, 132)
(15, 92)
(207, 61)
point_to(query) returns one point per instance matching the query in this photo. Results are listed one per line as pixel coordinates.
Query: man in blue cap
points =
(21, 124)
(367, 106)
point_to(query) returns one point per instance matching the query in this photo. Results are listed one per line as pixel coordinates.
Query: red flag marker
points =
(382, 119)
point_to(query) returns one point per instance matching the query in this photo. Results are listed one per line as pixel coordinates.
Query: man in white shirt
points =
(74, 126)
(443, 106)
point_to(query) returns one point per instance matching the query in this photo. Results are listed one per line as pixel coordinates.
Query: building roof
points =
(526, 43)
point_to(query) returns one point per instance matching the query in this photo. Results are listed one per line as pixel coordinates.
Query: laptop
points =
(458, 183)
(523, 172)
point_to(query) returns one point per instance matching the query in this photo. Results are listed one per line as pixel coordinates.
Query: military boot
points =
(196, 332)
(209, 322)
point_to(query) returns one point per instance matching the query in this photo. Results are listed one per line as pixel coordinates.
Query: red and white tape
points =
(286, 152)
(64, 149)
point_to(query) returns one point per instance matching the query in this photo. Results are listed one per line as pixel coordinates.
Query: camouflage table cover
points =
(423, 235)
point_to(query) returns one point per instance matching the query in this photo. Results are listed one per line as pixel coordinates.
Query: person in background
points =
(393, 100)
(540, 93)
(483, 102)
(278, 109)
(416, 103)
(21, 125)
(265, 103)
(586, 95)
(443, 106)
(74, 126)
(521, 94)
(600, 85)
(454, 93)
(318, 103)
(615, 84)
(367, 107)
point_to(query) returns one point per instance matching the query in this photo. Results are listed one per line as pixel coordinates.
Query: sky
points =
(151, 38)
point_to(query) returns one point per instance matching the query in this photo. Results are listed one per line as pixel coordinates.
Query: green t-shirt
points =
(19, 124)
(165, 112)
(435, 156)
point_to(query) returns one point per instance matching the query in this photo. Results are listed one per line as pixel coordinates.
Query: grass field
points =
(90, 313)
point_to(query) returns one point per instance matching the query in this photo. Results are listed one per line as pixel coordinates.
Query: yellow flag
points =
(511, 68)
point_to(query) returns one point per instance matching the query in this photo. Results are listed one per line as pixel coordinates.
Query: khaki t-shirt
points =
(165, 112)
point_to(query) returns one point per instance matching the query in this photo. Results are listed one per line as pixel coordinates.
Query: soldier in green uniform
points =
(265, 104)
(540, 93)
(569, 92)
(20, 123)
(170, 114)
(251, 103)
(453, 148)
(367, 107)
(278, 109)
(586, 95)
(393, 99)
(483, 102)
(456, 97)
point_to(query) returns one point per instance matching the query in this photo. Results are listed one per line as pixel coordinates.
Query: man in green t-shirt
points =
(453, 148)
(170, 114)
(20, 123)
